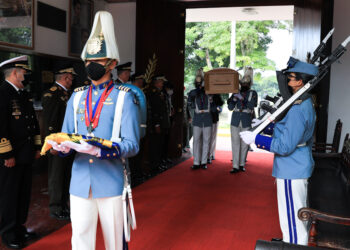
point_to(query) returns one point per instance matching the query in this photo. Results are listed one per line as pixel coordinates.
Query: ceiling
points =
(250, 13)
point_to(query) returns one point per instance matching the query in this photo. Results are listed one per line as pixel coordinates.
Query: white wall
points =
(339, 96)
(124, 15)
(53, 42)
(49, 41)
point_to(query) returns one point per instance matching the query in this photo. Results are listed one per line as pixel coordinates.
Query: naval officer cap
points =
(63, 68)
(20, 62)
(159, 77)
(102, 42)
(124, 67)
(296, 66)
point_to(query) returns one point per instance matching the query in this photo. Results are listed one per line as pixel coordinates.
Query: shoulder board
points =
(47, 95)
(81, 88)
(297, 102)
(54, 88)
(122, 88)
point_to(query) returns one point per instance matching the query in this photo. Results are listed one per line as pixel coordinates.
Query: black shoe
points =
(242, 168)
(14, 244)
(204, 166)
(212, 158)
(209, 161)
(234, 171)
(167, 160)
(195, 167)
(276, 239)
(27, 236)
(60, 215)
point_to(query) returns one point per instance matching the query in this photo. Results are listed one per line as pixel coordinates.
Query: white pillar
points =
(233, 46)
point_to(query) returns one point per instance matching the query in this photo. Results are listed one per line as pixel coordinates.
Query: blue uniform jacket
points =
(250, 100)
(104, 177)
(296, 128)
(198, 98)
(141, 98)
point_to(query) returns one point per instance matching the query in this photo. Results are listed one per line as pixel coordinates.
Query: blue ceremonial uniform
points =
(242, 110)
(142, 103)
(292, 142)
(104, 177)
(293, 164)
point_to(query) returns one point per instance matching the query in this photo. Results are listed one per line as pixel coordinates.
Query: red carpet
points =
(201, 209)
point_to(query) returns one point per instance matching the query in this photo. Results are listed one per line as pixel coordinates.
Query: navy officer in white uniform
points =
(97, 176)
(293, 163)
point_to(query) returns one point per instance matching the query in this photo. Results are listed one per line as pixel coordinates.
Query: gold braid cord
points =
(151, 68)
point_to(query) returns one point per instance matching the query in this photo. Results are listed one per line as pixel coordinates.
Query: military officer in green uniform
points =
(54, 103)
(20, 143)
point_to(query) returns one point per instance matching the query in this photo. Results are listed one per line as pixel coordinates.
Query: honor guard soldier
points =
(54, 104)
(106, 111)
(159, 121)
(202, 121)
(292, 142)
(242, 105)
(218, 102)
(123, 73)
(20, 143)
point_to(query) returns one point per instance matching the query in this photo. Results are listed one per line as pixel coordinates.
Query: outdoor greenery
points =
(208, 45)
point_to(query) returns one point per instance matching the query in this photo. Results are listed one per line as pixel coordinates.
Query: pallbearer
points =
(109, 112)
(242, 105)
(202, 104)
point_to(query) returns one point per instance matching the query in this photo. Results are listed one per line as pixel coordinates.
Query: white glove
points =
(83, 147)
(59, 147)
(256, 122)
(239, 96)
(248, 137)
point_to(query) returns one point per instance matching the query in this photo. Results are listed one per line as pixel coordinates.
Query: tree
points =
(208, 45)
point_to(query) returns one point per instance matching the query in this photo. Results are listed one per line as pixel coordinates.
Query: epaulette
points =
(54, 88)
(122, 88)
(80, 88)
(298, 102)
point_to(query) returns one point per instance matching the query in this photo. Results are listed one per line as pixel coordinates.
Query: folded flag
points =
(61, 137)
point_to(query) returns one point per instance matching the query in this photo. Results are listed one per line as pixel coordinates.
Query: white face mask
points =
(170, 92)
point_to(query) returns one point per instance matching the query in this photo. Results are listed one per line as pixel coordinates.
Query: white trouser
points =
(239, 148)
(291, 196)
(84, 214)
(212, 143)
(201, 137)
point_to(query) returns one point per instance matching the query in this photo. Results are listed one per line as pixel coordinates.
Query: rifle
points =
(324, 68)
(319, 50)
(285, 95)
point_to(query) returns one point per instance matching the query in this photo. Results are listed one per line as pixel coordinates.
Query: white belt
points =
(242, 110)
(202, 111)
